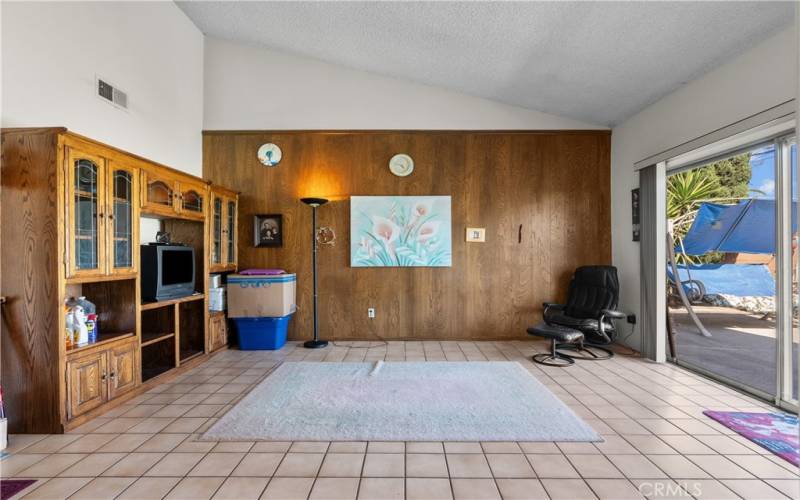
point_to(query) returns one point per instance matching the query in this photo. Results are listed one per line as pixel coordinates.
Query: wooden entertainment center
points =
(70, 227)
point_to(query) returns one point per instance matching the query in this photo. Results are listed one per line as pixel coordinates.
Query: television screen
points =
(177, 267)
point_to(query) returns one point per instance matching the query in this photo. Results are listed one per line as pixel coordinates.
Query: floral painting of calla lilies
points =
(400, 231)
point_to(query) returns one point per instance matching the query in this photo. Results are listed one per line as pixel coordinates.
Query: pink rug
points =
(777, 432)
(10, 487)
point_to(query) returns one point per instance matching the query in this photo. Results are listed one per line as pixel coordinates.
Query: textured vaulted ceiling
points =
(599, 62)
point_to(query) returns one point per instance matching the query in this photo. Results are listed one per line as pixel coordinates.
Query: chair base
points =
(553, 358)
(550, 360)
(588, 352)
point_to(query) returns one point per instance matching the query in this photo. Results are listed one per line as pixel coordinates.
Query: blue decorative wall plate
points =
(269, 154)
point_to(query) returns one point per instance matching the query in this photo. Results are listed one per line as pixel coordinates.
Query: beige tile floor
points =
(657, 443)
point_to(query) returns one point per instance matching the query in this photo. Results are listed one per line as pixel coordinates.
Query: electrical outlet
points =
(632, 319)
(371, 312)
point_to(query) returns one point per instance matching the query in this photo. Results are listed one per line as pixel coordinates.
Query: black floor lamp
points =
(314, 203)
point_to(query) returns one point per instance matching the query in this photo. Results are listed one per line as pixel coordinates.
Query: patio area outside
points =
(742, 346)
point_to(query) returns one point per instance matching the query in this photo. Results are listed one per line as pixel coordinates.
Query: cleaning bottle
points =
(72, 330)
(90, 311)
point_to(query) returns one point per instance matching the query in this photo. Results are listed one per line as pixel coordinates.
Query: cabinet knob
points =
(112, 374)
(103, 376)
(110, 216)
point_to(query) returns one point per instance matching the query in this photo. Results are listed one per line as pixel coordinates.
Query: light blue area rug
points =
(426, 401)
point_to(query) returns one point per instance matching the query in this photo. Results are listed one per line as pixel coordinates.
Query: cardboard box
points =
(261, 296)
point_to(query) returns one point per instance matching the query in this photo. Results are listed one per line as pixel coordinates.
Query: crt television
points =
(167, 271)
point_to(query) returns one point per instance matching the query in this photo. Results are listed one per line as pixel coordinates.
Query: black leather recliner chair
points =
(591, 305)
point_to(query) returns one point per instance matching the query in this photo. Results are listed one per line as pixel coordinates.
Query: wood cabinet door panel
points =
(223, 240)
(122, 368)
(192, 200)
(159, 194)
(85, 213)
(86, 383)
(231, 232)
(217, 332)
(123, 219)
(217, 237)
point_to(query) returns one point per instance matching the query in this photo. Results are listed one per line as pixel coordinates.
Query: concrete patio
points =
(741, 348)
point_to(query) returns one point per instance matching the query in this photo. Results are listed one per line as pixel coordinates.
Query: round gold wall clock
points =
(401, 165)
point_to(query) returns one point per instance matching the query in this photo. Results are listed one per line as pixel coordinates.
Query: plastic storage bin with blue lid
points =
(261, 333)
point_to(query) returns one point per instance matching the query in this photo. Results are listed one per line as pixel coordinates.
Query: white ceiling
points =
(597, 62)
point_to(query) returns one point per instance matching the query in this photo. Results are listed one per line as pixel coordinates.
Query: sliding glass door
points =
(788, 357)
(733, 275)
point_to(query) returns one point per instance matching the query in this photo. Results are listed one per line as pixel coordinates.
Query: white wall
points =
(256, 88)
(52, 51)
(761, 78)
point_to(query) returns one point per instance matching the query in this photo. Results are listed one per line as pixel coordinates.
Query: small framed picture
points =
(635, 208)
(268, 230)
(476, 234)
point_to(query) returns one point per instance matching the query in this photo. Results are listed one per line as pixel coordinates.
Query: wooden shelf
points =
(99, 279)
(146, 306)
(152, 338)
(104, 338)
(151, 373)
(187, 355)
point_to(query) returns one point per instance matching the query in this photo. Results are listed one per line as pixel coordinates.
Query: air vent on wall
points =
(109, 93)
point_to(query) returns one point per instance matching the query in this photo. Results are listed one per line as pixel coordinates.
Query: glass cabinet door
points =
(122, 236)
(230, 233)
(216, 232)
(85, 213)
(192, 202)
(158, 194)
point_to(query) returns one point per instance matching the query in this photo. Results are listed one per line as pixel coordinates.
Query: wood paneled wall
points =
(553, 185)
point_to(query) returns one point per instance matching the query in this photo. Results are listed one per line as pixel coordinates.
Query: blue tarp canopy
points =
(747, 227)
(730, 279)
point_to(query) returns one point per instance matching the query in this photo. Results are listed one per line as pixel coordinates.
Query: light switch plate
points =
(476, 234)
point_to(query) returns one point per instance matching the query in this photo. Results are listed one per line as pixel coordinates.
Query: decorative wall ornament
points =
(269, 154)
(635, 210)
(400, 231)
(326, 236)
(401, 165)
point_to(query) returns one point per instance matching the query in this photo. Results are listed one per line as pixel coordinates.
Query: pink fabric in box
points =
(262, 272)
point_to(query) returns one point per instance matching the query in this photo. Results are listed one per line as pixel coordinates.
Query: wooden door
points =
(158, 193)
(122, 369)
(87, 386)
(191, 200)
(217, 332)
(86, 214)
(123, 219)
(217, 237)
(231, 235)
